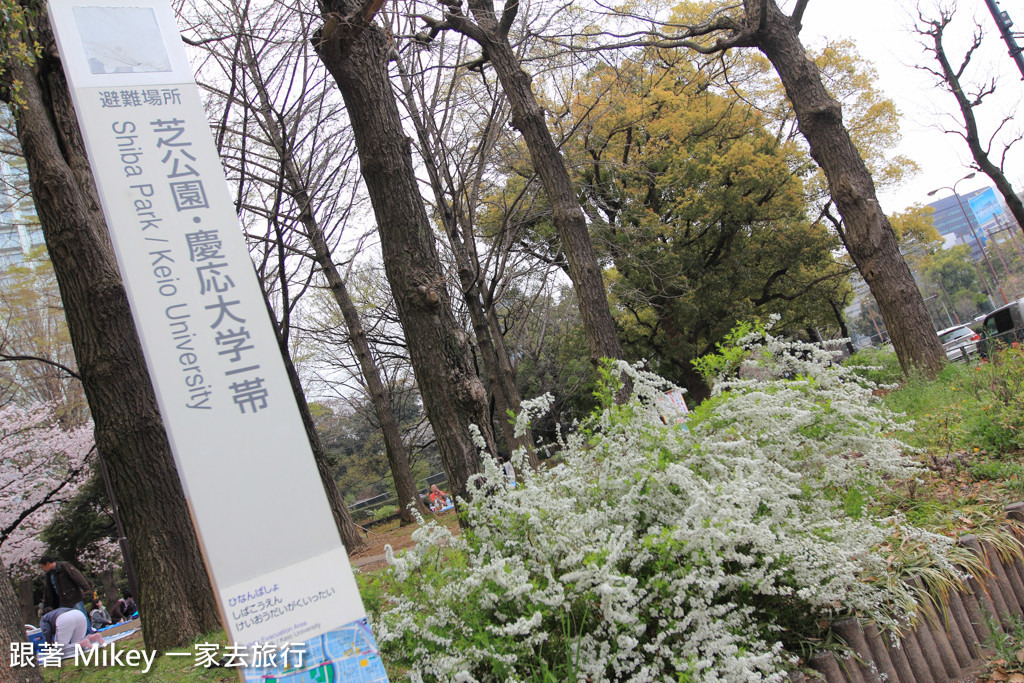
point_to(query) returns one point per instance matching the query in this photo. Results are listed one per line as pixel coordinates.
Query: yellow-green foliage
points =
(17, 46)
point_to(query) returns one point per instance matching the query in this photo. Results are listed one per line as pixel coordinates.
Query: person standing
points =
(64, 586)
(508, 470)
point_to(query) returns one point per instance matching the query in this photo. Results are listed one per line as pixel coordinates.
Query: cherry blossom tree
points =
(103, 559)
(42, 464)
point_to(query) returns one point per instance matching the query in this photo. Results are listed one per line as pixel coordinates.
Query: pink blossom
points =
(42, 464)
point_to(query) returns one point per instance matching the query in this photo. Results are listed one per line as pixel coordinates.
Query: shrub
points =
(876, 364)
(384, 511)
(996, 420)
(662, 552)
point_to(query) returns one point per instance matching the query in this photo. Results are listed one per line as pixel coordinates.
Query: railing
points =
(363, 510)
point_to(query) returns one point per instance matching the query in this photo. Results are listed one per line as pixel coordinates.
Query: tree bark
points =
(12, 630)
(25, 601)
(868, 236)
(174, 590)
(357, 55)
(488, 337)
(108, 581)
(567, 215)
(380, 395)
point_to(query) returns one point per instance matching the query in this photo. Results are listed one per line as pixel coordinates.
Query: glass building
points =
(952, 222)
(19, 226)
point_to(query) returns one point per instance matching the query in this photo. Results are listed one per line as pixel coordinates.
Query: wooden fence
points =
(939, 647)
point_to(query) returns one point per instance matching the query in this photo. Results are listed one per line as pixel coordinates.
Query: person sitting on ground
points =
(437, 498)
(130, 609)
(99, 617)
(117, 612)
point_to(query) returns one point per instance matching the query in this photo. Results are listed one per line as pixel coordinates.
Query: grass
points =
(166, 669)
(966, 433)
(965, 437)
(969, 431)
(1007, 664)
(966, 443)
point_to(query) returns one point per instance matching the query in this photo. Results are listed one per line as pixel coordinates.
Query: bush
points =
(384, 511)
(876, 364)
(996, 420)
(662, 552)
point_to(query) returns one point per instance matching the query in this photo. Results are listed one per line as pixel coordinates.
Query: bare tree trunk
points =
(174, 588)
(26, 603)
(868, 236)
(347, 528)
(567, 215)
(244, 61)
(380, 395)
(108, 579)
(12, 630)
(357, 53)
(488, 337)
(844, 331)
(936, 29)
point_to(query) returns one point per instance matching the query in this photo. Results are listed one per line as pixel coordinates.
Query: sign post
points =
(278, 567)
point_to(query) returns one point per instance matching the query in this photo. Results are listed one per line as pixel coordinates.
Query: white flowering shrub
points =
(661, 552)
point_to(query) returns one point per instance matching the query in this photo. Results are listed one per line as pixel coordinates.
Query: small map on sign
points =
(347, 655)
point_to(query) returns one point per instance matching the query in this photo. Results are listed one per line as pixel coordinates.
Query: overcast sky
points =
(883, 32)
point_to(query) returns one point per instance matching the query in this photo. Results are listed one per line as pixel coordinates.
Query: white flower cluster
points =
(659, 552)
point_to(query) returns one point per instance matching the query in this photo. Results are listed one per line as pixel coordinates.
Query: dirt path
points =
(398, 537)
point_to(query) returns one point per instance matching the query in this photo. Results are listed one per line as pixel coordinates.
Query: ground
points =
(398, 537)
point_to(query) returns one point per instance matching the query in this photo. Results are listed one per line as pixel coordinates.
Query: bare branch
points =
(975, 44)
(205, 41)
(508, 16)
(837, 223)
(798, 13)
(9, 357)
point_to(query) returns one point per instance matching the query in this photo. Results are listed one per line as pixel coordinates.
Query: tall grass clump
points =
(661, 552)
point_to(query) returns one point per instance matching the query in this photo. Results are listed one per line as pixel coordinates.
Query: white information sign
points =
(278, 565)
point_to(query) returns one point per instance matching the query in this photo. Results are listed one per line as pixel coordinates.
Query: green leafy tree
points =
(954, 276)
(701, 208)
(864, 229)
(352, 438)
(549, 349)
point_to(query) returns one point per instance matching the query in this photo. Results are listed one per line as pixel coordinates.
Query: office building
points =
(19, 227)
